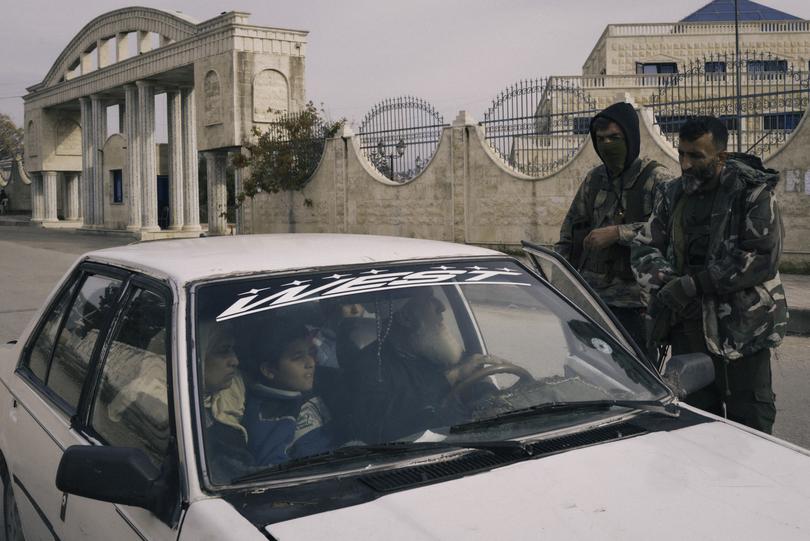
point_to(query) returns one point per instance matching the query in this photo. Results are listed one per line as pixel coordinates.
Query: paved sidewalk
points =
(797, 291)
(15, 219)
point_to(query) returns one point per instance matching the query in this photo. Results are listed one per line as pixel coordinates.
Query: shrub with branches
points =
(283, 157)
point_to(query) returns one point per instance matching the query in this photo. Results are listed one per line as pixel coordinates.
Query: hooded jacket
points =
(743, 302)
(602, 200)
(285, 424)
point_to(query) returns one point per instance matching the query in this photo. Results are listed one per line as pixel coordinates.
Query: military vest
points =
(630, 205)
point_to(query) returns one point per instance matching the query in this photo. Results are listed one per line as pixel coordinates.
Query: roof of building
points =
(723, 10)
(188, 260)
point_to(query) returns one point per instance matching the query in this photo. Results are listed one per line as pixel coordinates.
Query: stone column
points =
(459, 152)
(132, 169)
(86, 62)
(37, 198)
(146, 134)
(175, 117)
(72, 196)
(191, 186)
(88, 161)
(237, 188)
(106, 53)
(99, 111)
(144, 42)
(49, 196)
(216, 163)
(121, 46)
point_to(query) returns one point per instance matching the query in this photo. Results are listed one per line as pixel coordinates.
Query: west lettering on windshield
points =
(373, 280)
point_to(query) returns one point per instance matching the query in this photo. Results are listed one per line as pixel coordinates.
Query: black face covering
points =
(696, 178)
(614, 155)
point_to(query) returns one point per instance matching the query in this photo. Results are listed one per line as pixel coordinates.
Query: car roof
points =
(189, 260)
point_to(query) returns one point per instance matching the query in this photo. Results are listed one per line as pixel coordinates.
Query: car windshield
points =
(294, 367)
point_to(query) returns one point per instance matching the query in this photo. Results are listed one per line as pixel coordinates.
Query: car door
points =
(46, 390)
(126, 404)
(561, 275)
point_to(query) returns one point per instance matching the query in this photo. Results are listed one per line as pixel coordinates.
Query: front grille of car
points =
(477, 461)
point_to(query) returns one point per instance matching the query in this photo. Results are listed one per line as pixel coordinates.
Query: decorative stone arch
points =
(68, 137)
(173, 26)
(271, 92)
(212, 98)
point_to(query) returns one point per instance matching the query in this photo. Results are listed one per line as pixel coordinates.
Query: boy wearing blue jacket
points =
(283, 417)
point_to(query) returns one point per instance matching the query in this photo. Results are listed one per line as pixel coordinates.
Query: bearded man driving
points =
(399, 385)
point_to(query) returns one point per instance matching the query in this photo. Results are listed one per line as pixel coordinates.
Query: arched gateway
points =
(211, 72)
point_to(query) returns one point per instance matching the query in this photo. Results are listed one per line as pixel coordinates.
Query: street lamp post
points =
(399, 151)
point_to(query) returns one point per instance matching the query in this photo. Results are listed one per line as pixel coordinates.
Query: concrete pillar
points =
(459, 153)
(121, 46)
(144, 42)
(174, 112)
(237, 187)
(106, 54)
(191, 186)
(72, 196)
(49, 196)
(99, 112)
(132, 168)
(37, 198)
(216, 163)
(88, 161)
(148, 176)
(87, 61)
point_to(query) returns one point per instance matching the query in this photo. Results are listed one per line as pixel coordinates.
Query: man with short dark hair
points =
(710, 256)
(611, 205)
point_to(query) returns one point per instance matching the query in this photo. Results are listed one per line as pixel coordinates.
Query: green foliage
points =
(11, 138)
(285, 156)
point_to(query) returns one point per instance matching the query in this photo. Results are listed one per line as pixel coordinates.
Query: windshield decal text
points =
(374, 280)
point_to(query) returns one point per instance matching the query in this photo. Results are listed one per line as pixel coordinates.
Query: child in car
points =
(283, 417)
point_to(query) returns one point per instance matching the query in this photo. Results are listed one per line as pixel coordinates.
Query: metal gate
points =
(761, 99)
(399, 136)
(537, 126)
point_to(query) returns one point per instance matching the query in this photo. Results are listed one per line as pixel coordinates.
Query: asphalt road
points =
(32, 260)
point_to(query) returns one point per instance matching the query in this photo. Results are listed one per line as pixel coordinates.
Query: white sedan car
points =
(357, 387)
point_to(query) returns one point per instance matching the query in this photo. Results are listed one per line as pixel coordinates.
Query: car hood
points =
(709, 481)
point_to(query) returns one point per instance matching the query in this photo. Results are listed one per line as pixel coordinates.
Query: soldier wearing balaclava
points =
(610, 207)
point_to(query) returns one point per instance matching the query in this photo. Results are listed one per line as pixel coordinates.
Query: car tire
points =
(12, 527)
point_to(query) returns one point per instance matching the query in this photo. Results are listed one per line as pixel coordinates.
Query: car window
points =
(130, 407)
(40, 356)
(90, 310)
(294, 367)
(564, 280)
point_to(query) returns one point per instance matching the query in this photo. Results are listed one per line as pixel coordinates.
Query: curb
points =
(799, 322)
(14, 223)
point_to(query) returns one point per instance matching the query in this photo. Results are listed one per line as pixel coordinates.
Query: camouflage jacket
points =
(747, 310)
(595, 205)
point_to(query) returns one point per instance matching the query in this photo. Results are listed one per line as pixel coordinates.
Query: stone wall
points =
(468, 194)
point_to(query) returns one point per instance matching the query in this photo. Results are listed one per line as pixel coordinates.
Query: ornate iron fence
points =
(301, 135)
(772, 99)
(537, 126)
(399, 136)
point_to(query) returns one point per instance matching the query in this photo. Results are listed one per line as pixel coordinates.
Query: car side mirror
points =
(122, 475)
(688, 373)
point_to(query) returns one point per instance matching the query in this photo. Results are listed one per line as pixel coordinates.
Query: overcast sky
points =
(457, 54)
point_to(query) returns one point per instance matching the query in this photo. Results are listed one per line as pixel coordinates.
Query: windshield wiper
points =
(655, 406)
(353, 452)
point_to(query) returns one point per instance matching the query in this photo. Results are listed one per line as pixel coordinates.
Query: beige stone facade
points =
(221, 78)
(613, 64)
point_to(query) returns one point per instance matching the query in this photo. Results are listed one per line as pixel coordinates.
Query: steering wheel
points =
(494, 365)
